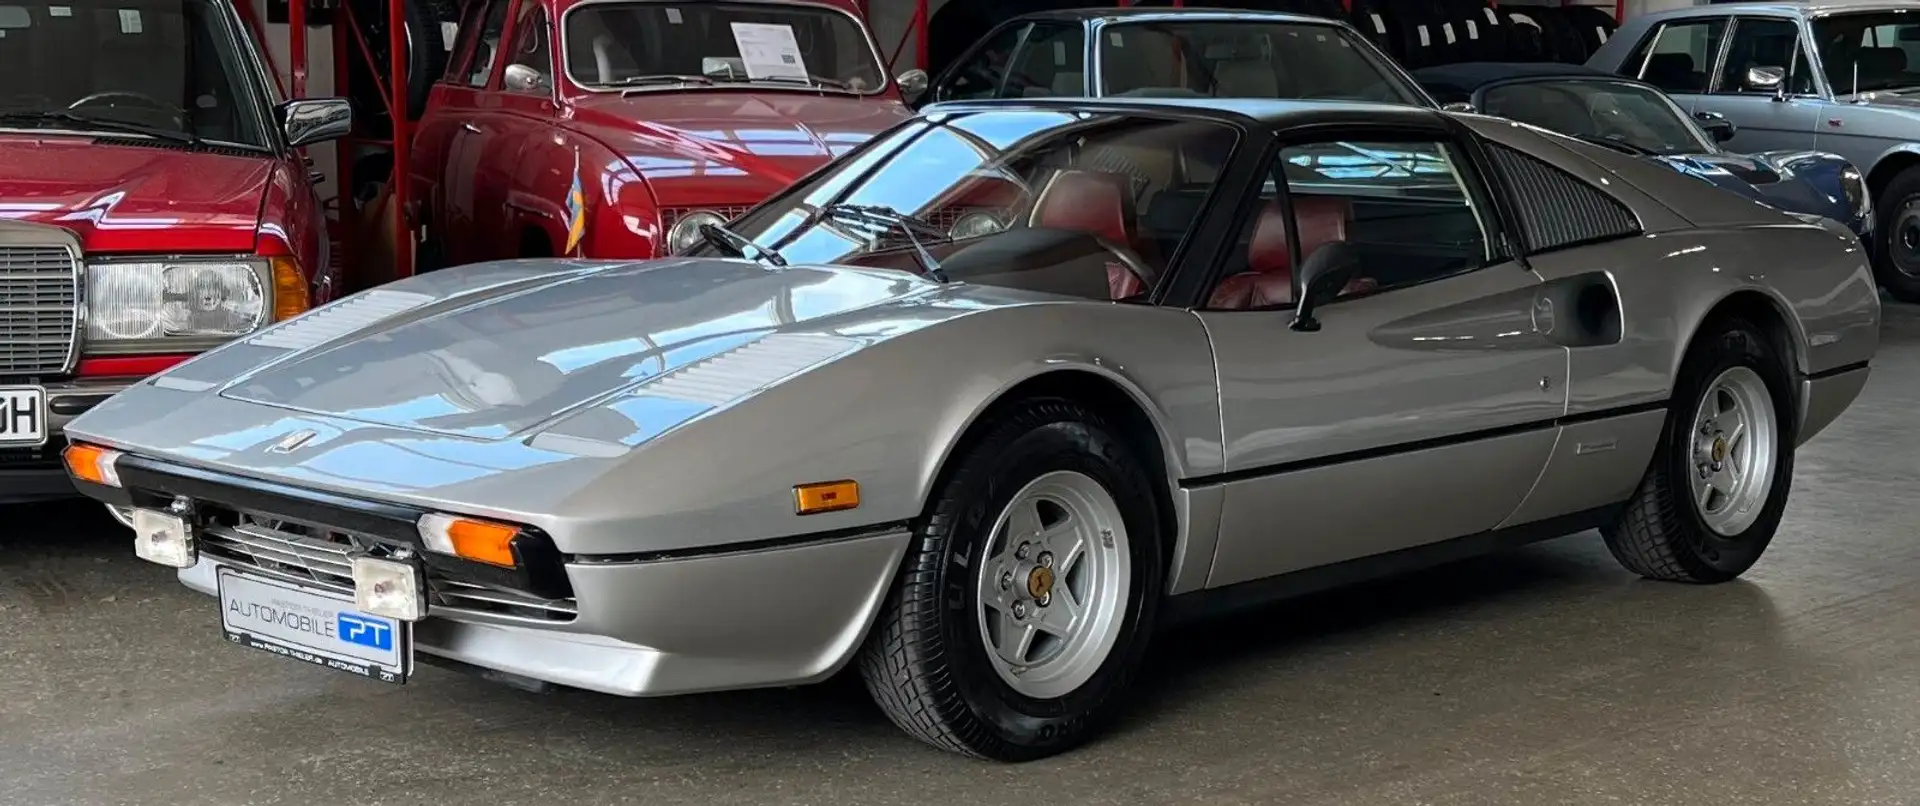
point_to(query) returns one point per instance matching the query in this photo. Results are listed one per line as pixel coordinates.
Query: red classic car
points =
(621, 129)
(152, 205)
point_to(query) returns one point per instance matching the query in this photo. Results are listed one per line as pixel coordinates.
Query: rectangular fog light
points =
(164, 538)
(389, 588)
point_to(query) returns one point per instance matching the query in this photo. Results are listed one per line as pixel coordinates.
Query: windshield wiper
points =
(102, 124)
(636, 82)
(818, 82)
(887, 218)
(739, 245)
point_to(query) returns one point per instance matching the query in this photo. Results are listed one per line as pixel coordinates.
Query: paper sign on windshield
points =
(769, 51)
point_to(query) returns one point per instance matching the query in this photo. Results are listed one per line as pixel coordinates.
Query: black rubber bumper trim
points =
(1836, 371)
(746, 547)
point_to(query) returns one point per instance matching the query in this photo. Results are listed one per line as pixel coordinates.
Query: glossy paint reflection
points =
(501, 365)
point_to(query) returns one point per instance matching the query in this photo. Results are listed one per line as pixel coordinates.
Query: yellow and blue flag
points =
(576, 210)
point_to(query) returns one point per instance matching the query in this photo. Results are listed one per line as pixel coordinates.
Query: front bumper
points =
(777, 617)
(36, 474)
(770, 614)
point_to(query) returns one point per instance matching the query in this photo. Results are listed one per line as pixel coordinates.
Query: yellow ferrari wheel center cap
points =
(1719, 449)
(1040, 582)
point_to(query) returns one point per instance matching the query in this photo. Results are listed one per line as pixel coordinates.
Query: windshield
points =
(172, 66)
(1088, 205)
(1638, 117)
(1883, 46)
(1246, 60)
(800, 46)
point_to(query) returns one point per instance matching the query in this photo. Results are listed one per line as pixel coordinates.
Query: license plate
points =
(315, 626)
(23, 415)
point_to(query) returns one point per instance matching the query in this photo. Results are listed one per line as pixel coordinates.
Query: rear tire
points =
(1048, 475)
(1714, 494)
(1896, 253)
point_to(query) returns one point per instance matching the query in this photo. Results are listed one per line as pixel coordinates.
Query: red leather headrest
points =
(1321, 219)
(1090, 202)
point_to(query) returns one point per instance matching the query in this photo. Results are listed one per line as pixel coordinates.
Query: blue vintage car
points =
(1637, 118)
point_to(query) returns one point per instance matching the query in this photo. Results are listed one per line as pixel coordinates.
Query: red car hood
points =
(134, 198)
(732, 142)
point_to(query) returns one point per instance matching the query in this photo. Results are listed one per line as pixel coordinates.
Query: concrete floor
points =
(1543, 676)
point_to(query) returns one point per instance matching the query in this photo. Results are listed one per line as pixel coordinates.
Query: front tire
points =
(1024, 604)
(1896, 254)
(1717, 487)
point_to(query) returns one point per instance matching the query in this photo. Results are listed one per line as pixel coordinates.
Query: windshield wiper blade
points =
(887, 218)
(821, 82)
(103, 124)
(739, 245)
(636, 82)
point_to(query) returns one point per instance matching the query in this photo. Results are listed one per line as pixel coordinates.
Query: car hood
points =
(1793, 181)
(134, 198)
(771, 138)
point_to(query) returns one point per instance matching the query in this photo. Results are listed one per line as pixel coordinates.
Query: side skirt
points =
(1215, 602)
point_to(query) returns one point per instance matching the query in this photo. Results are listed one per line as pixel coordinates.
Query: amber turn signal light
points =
(484, 541)
(825, 496)
(92, 463)
(290, 297)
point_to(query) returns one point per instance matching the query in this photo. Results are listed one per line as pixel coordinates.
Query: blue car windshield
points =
(1599, 110)
(1073, 202)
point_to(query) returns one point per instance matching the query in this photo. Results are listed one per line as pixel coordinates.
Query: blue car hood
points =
(1797, 182)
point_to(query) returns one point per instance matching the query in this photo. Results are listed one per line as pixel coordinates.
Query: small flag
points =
(576, 210)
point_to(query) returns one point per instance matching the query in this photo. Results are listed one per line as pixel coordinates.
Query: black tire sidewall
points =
(1733, 343)
(1031, 727)
(1903, 188)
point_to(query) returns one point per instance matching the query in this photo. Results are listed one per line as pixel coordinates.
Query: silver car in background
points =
(981, 404)
(1837, 77)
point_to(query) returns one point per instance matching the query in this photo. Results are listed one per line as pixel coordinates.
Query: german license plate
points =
(23, 415)
(314, 626)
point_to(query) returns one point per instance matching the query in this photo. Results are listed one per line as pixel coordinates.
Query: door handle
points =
(469, 127)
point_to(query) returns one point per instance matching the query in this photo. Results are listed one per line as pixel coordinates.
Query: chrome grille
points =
(318, 556)
(39, 305)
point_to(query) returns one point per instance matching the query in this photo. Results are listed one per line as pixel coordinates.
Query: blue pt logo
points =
(365, 631)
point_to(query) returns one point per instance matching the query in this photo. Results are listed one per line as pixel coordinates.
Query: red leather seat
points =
(1269, 278)
(1099, 204)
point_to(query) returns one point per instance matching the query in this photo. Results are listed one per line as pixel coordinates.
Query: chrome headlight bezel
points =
(685, 232)
(1854, 185)
(102, 273)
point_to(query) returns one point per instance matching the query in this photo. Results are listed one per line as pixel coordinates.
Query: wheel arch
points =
(1108, 394)
(1890, 164)
(1771, 314)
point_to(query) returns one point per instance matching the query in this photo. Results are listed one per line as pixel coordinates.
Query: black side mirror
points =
(1717, 125)
(1321, 277)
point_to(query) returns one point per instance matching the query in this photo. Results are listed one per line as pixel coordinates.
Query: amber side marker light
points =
(825, 496)
(484, 541)
(289, 289)
(92, 463)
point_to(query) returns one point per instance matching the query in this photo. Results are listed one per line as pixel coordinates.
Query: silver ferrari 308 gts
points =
(978, 406)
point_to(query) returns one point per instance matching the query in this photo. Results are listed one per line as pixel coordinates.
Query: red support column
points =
(402, 134)
(921, 16)
(297, 45)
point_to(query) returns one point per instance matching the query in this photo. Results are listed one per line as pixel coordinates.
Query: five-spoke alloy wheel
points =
(1024, 603)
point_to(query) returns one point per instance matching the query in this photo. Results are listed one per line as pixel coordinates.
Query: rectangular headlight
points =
(175, 304)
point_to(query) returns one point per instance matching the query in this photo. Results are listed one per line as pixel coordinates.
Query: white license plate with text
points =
(23, 416)
(315, 626)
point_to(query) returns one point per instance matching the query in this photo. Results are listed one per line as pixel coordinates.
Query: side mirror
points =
(1766, 79)
(1717, 125)
(1324, 273)
(1457, 106)
(315, 120)
(521, 78)
(913, 84)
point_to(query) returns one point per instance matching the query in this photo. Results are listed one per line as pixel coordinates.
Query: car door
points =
(1679, 57)
(533, 195)
(1767, 119)
(1423, 406)
(448, 103)
(460, 199)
